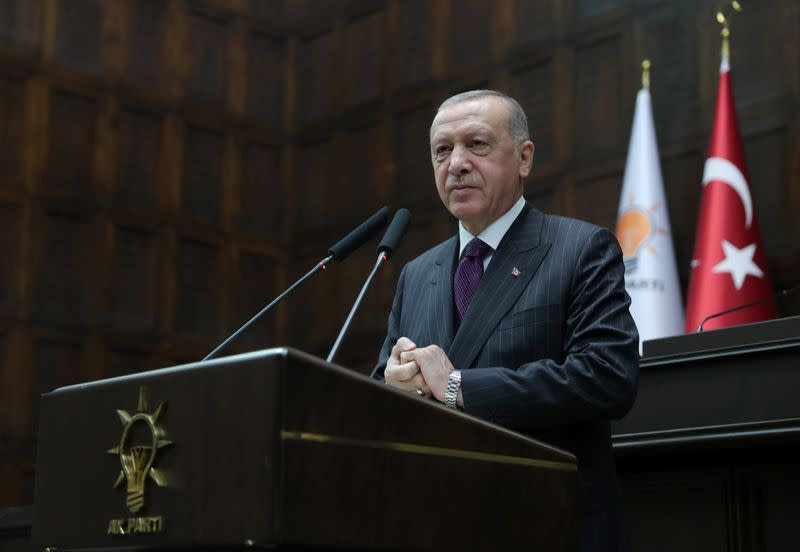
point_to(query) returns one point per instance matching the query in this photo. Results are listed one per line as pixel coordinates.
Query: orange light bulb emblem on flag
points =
(633, 231)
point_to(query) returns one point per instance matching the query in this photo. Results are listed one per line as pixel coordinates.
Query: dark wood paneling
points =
(20, 25)
(208, 67)
(535, 21)
(133, 281)
(65, 249)
(412, 49)
(266, 73)
(414, 183)
(9, 230)
(597, 198)
(533, 87)
(469, 30)
(360, 166)
(57, 363)
(140, 142)
(262, 198)
(145, 52)
(255, 287)
(588, 9)
(318, 200)
(315, 71)
(73, 122)
(202, 172)
(121, 362)
(198, 290)
(12, 112)
(363, 52)
(79, 33)
(597, 123)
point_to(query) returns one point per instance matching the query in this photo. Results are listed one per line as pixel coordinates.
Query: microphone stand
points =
(382, 257)
(320, 266)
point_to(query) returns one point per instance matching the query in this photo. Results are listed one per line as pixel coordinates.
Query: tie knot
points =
(476, 249)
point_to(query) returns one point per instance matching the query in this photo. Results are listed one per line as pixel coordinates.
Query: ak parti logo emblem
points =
(142, 438)
(636, 229)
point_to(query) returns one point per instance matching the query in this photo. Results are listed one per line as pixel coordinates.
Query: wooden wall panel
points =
(20, 25)
(255, 288)
(57, 362)
(597, 120)
(675, 89)
(198, 289)
(62, 285)
(262, 196)
(597, 197)
(70, 150)
(121, 362)
(315, 70)
(12, 112)
(10, 228)
(266, 74)
(202, 172)
(207, 51)
(360, 171)
(145, 61)
(140, 143)
(134, 281)
(414, 182)
(469, 32)
(364, 55)
(79, 34)
(533, 87)
(412, 48)
(318, 200)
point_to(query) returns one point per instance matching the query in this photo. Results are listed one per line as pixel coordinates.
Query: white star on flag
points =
(738, 263)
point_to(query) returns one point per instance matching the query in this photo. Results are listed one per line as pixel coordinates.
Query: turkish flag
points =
(728, 268)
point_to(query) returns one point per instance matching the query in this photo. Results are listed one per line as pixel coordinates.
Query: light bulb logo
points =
(633, 231)
(636, 232)
(141, 439)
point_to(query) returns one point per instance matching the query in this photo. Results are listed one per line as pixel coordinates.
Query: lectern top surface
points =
(233, 359)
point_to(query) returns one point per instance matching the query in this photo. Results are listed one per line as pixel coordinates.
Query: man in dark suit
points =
(522, 318)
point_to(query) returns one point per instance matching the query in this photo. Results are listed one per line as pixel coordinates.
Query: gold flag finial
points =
(646, 74)
(724, 15)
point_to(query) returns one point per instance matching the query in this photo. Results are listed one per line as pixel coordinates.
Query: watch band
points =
(453, 385)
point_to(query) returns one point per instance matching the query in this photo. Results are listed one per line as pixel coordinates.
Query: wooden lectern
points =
(279, 449)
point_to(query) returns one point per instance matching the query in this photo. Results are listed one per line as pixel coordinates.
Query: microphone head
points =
(360, 235)
(395, 232)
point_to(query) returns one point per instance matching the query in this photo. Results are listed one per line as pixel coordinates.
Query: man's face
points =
(478, 172)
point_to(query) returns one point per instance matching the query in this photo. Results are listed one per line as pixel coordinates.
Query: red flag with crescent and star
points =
(728, 267)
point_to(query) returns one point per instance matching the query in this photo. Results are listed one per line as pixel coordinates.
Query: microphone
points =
(338, 252)
(386, 249)
(765, 298)
(355, 239)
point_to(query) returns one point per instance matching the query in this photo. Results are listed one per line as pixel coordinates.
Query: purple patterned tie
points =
(468, 276)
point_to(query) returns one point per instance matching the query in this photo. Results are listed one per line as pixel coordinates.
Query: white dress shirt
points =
(493, 234)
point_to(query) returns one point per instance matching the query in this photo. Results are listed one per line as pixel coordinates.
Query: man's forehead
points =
(472, 114)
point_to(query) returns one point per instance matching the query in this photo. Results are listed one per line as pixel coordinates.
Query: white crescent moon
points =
(721, 169)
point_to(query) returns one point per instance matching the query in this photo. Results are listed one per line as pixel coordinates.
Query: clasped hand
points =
(411, 369)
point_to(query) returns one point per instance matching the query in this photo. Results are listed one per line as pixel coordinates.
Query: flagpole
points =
(724, 20)
(646, 74)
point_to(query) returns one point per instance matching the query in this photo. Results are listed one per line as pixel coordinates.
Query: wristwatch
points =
(453, 385)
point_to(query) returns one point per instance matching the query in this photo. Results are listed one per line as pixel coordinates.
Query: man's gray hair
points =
(517, 120)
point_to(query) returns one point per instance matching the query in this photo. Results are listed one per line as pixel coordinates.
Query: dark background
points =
(168, 166)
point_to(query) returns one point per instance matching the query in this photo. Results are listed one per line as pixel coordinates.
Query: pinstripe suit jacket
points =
(552, 352)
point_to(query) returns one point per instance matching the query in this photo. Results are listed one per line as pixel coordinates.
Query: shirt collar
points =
(493, 234)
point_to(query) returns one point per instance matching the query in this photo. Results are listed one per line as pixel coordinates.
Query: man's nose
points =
(459, 161)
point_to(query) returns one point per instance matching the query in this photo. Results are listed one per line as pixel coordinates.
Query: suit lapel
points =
(500, 287)
(441, 315)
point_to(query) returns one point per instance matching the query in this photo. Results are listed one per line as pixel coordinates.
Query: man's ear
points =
(526, 150)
